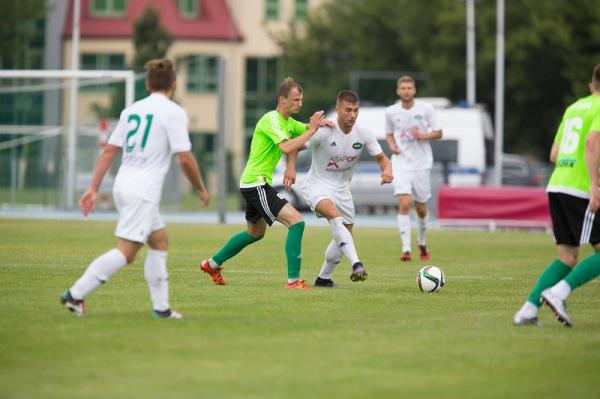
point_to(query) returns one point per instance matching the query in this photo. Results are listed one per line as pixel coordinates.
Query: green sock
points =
(293, 249)
(552, 275)
(584, 271)
(233, 246)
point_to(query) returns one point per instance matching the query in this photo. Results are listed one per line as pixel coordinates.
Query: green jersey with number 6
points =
(270, 130)
(570, 174)
(149, 132)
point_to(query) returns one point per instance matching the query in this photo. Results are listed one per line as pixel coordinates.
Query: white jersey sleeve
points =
(372, 144)
(177, 131)
(117, 137)
(431, 118)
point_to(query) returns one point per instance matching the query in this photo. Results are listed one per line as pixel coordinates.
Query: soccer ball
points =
(430, 279)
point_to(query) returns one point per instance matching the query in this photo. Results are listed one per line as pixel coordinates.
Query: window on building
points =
(301, 10)
(271, 9)
(101, 62)
(108, 8)
(188, 8)
(202, 74)
(262, 78)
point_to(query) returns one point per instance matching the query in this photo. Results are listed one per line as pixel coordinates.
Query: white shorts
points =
(137, 218)
(413, 182)
(315, 193)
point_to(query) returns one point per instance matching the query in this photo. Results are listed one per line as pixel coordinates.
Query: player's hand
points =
(417, 134)
(327, 122)
(204, 197)
(289, 178)
(386, 177)
(87, 202)
(395, 150)
(315, 120)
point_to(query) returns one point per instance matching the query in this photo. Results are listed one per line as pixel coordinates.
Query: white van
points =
(469, 128)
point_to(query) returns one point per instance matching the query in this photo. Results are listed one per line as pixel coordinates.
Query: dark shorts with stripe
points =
(573, 223)
(262, 201)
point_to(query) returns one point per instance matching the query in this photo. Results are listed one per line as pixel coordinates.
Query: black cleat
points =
(324, 282)
(359, 273)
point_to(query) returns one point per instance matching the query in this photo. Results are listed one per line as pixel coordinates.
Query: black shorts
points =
(573, 223)
(262, 201)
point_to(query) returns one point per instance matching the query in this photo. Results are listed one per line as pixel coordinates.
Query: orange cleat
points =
(298, 284)
(406, 257)
(215, 274)
(424, 253)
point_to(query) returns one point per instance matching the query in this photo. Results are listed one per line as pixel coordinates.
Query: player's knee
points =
(257, 236)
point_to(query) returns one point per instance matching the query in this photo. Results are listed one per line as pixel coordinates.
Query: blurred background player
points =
(574, 196)
(275, 133)
(335, 153)
(148, 132)
(410, 124)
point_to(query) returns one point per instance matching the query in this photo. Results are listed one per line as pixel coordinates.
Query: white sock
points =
(404, 227)
(97, 273)
(333, 256)
(155, 271)
(343, 238)
(213, 264)
(528, 310)
(562, 289)
(422, 227)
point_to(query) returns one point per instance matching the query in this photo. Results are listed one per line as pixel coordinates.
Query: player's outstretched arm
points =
(386, 168)
(295, 144)
(190, 169)
(87, 202)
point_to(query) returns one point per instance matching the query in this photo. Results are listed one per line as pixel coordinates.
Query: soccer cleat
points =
(424, 254)
(325, 282)
(297, 285)
(76, 306)
(519, 320)
(167, 314)
(406, 257)
(558, 307)
(215, 274)
(359, 273)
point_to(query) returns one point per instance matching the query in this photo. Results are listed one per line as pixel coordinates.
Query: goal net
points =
(50, 140)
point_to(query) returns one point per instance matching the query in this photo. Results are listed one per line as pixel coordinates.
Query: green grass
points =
(253, 339)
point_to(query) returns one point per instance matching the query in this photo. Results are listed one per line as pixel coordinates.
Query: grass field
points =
(253, 339)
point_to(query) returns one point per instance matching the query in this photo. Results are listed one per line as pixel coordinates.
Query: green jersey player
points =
(574, 196)
(275, 133)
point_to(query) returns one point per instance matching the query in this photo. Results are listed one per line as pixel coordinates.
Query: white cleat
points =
(167, 314)
(558, 307)
(519, 320)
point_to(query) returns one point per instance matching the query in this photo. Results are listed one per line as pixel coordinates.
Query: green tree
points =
(551, 48)
(151, 41)
(21, 34)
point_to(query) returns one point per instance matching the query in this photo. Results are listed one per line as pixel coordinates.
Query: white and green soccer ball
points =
(431, 279)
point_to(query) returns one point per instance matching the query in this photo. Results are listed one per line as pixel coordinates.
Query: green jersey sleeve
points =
(270, 126)
(297, 128)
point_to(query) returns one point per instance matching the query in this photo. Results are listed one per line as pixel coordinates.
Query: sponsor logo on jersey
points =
(333, 144)
(332, 165)
(418, 117)
(566, 163)
(357, 145)
(342, 158)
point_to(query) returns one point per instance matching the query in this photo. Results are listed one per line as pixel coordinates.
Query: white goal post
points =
(71, 137)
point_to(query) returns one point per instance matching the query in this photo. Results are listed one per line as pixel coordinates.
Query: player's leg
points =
(565, 213)
(291, 218)
(402, 190)
(585, 271)
(132, 232)
(256, 227)
(333, 257)
(422, 193)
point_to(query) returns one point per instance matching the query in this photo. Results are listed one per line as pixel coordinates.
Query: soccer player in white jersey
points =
(148, 133)
(335, 153)
(410, 124)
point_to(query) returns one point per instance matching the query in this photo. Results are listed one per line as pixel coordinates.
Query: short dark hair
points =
(286, 87)
(348, 96)
(404, 79)
(160, 74)
(596, 78)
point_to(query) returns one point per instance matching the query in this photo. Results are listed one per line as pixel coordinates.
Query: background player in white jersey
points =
(335, 153)
(410, 124)
(148, 132)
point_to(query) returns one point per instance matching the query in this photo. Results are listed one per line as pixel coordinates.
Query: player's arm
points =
(190, 169)
(386, 168)
(432, 135)
(87, 202)
(288, 146)
(592, 157)
(554, 153)
(289, 176)
(389, 137)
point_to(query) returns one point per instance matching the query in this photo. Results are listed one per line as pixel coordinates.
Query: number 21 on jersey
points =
(132, 135)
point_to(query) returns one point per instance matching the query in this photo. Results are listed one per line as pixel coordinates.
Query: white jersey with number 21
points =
(149, 132)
